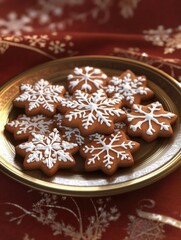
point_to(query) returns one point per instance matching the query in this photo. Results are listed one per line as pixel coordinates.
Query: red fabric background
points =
(101, 27)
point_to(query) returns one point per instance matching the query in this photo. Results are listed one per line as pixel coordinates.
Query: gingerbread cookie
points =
(68, 134)
(40, 98)
(87, 79)
(23, 125)
(47, 152)
(150, 122)
(130, 88)
(108, 152)
(91, 113)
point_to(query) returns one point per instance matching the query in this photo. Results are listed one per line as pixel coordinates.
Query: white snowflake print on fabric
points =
(158, 36)
(47, 152)
(68, 134)
(173, 43)
(37, 40)
(87, 79)
(144, 229)
(108, 152)
(42, 97)
(129, 88)
(15, 25)
(91, 112)
(169, 38)
(57, 46)
(45, 11)
(23, 125)
(147, 225)
(128, 7)
(3, 47)
(41, 44)
(150, 121)
(27, 237)
(54, 213)
(171, 65)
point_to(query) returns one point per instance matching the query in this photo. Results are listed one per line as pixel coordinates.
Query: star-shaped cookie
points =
(91, 113)
(129, 87)
(23, 126)
(108, 152)
(87, 79)
(47, 152)
(40, 98)
(150, 122)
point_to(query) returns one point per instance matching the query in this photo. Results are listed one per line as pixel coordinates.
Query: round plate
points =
(152, 162)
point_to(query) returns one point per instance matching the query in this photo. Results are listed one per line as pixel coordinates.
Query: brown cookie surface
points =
(129, 87)
(92, 113)
(87, 79)
(150, 122)
(23, 126)
(47, 152)
(40, 98)
(69, 134)
(108, 152)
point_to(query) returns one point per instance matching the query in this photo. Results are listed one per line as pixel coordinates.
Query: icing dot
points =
(92, 106)
(104, 76)
(70, 76)
(149, 116)
(126, 87)
(107, 147)
(97, 71)
(86, 76)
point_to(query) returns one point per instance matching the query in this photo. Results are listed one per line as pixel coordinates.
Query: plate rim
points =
(83, 191)
(92, 191)
(137, 62)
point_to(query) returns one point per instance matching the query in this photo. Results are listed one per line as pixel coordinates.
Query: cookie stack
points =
(96, 116)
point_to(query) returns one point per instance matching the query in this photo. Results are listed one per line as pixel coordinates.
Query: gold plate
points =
(152, 162)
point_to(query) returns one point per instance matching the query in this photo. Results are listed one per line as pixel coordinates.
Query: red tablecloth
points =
(33, 32)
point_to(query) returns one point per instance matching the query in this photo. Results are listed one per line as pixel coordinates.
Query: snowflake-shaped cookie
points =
(47, 152)
(150, 121)
(41, 97)
(108, 152)
(91, 112)
(68, 134)
(129, 87)
(87, 79)
(23, 125)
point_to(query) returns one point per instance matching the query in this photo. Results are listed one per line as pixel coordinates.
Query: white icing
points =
(40, 94)
(127, 87)
(119, 126)
(48, 149)
(69, 132)
(116, 145)
(86, 77)
(148, 117)
(25, 124)
(91, 108)
(67, 95)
